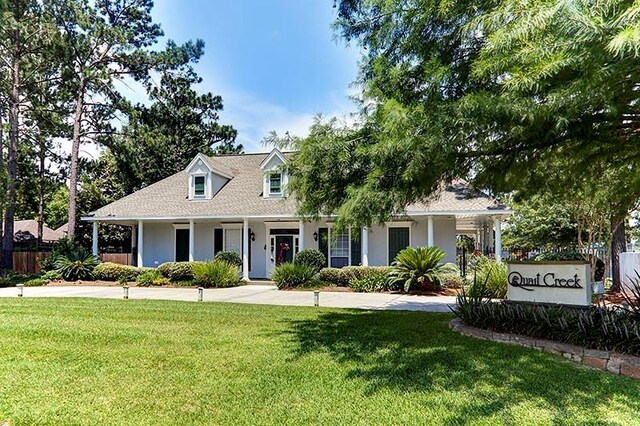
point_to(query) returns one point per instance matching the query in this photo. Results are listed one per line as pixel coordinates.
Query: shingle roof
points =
(242, 196)
(27, 230)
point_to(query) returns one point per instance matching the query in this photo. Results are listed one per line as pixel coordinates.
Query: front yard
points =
(76, 361)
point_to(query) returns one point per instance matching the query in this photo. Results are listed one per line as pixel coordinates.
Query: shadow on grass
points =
(417, 352)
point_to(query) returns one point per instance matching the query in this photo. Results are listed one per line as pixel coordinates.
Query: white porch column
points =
(498, 239)
(245, 250)
(140, 243)
(192, 243)
(430, 231)
(301, 236)
(365, 246)
(95, 238)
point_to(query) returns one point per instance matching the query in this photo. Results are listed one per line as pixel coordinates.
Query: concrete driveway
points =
(257, 294)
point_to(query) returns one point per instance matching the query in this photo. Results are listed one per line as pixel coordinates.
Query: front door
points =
(282, 249)
(182, 245)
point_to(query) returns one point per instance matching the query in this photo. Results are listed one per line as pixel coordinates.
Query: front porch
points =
(263, 243)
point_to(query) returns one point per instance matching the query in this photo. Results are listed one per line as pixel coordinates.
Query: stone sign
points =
(565, 282)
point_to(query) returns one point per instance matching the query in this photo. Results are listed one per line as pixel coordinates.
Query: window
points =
(339, 250)
(233, 240)
(275, 183)
(198, 183)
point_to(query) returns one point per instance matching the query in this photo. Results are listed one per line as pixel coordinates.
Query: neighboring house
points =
(25, 234)
(239, 203)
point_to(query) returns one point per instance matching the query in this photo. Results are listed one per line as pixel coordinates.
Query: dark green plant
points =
(177, 271)
(375, 280)
(493, 276)
(108, 271)
(77, 265)
(311, 257)
(63, 247)
(217, 273)
(151, 277)
(230, 257)
(330, 275)
(598, 273)
(36, 282)
(420, 268)
(288, 275)
(52, 275)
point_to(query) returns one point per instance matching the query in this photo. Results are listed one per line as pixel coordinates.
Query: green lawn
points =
(154, 362)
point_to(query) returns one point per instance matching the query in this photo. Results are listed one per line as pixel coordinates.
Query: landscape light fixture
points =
(316, 298)
(200, 294)
(315, 236)
(20, 290)
(126, 291)
(253, 236)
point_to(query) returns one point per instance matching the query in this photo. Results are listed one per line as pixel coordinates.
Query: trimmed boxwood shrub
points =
(177, 271)
(151, 277)
(108, 271)
(53, 275)
(344, 276)
(230, 257)
(374, 280)
(217, 273)
(288, 275)
(36, 282)
(311, 257)
(330, 275)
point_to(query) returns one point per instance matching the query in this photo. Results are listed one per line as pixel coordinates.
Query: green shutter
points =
(323, 243)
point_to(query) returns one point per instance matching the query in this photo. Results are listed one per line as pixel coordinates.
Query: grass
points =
(78, 361)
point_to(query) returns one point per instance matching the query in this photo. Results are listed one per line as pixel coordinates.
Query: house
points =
(239, 203)
(25, 234)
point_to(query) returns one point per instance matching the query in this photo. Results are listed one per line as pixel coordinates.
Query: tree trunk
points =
(2, 205)
(618, 245)
(14, 112)
(41, 182)
(75, 151)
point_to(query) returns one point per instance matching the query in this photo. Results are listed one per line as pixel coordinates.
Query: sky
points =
(276, 63)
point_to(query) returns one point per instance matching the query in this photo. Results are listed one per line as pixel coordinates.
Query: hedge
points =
(344, 276)
(108, 271)
(177, 271)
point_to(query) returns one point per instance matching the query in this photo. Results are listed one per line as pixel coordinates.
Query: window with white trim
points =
(339, 250)
(233, 240)
(275, 183)
(199, 186)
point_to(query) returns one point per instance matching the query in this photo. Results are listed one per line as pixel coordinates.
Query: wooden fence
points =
(120, 258)
(27, 262)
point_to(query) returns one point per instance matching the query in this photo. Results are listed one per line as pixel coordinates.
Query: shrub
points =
(330, 275)
(598, 273)
(77, 265)
(288, 275)
(375, 280)
(151, 277)
(230, 257)
(36, 282)
(420, 268)
(217, 273)
(452, 281)
(177, 271)
(311, 257)
(492, 275)
(108, 271)
(602, 327)
(52, 275)
(62, 248)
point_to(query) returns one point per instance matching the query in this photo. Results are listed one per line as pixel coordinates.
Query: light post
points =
(316, 298)
(20, 290)
(126, 291)
(200, 294)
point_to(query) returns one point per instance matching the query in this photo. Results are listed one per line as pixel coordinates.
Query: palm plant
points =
(76, 265)
(420, 267)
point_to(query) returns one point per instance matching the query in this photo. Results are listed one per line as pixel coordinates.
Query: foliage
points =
(344, 276)
(230, 257)
(217, 273)
(52, 275)
(330, 275)
(540, 222)
(452, 281)
(373, 281)
(36, 282)
(287, 275)
(420, 268)
(311, 257)
(605, 327)
(108, 271)
(151, 277)
(177, 271)
(77, 265)
(492, 275)
(597, 273)
(62, 248)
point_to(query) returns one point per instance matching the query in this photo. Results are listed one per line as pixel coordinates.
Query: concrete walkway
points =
(257, 294)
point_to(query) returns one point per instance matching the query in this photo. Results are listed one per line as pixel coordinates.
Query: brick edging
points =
(613, 362)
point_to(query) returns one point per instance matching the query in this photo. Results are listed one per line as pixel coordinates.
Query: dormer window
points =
(275, 183)
(199, 183)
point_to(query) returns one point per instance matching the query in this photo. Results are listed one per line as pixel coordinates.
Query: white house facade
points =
(239, 203)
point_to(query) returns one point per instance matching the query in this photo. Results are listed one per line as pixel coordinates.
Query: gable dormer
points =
(274, 176)
(204, 180)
